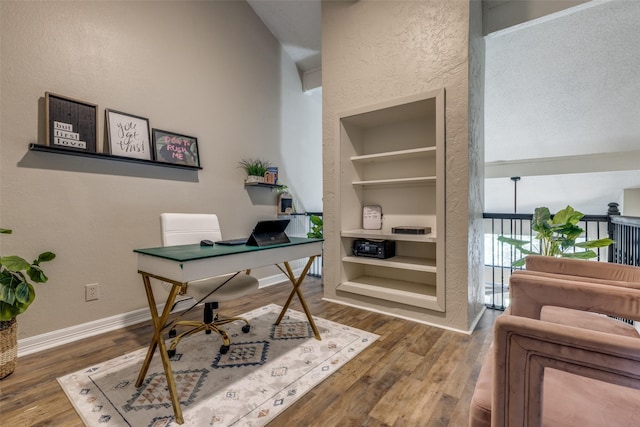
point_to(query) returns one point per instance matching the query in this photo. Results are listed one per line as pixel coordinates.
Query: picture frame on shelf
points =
(175, 148)
(70, 123)
(128, 135)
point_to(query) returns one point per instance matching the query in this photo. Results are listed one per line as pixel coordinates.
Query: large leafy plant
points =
(316, 227)
(16, 275)
(557, 236)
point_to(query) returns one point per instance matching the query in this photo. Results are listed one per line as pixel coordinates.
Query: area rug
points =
(264, 372)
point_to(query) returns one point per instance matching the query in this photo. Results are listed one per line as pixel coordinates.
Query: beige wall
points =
(207, 69)
(375, 51)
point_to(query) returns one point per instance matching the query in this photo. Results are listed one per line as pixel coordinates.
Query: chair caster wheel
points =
(171, 353)
(172, 333)
(224, 349)
(246, 328)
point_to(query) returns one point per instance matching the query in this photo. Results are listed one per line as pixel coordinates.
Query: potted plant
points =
(16, 294)
(557, 236)
(255, 169)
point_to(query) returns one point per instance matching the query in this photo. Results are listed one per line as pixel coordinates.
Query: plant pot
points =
(8, 347)
(253, 178)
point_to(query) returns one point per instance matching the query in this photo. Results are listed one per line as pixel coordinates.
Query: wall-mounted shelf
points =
(262, 184)
(105, 156)
(388, 235)
(397, 181)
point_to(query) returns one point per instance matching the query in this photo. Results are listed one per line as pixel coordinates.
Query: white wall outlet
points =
(91, 292)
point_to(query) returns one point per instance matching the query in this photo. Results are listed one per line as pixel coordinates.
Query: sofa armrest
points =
(524, 347)
(583, 268)
(529, 293)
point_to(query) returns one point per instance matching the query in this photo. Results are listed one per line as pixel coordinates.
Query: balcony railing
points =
(500, 256)
(625, 230)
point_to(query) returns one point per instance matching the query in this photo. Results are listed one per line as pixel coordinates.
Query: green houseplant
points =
(316, 227)
(254, 168)
(557, 236)
(16, 294)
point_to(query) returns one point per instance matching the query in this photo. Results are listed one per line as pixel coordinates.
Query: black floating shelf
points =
(262, 184)
(105, 156)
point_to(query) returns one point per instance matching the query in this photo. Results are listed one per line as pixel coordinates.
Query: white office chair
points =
(184, 229)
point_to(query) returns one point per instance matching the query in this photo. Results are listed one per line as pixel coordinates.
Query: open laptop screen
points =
(269, 232)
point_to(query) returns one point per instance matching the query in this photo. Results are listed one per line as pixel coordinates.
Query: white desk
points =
(179, 265)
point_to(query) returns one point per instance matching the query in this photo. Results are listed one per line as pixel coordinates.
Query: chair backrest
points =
(185, 229)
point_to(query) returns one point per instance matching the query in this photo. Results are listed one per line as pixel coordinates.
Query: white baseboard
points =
(85, 330)
(400, 316)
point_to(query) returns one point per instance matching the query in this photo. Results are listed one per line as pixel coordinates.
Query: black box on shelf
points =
(410, 229)
(374, 248)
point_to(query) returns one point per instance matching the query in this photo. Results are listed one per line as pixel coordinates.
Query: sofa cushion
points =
(587, 320)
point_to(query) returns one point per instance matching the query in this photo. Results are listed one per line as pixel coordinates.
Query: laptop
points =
(265, 233)
(269, 232)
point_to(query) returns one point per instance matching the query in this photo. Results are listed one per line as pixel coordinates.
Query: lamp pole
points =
(515, 180)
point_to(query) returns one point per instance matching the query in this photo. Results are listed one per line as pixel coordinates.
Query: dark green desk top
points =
(185, 253)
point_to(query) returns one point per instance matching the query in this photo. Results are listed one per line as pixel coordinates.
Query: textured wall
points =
(374, 51)
(476, 160)
(207, 69)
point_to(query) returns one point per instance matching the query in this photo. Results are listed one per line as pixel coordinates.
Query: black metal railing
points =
(500, 256)
(625, 230)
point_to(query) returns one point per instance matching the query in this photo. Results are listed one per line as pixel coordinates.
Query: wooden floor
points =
(414, 375)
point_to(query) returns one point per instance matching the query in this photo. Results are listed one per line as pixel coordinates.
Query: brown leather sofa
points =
(557, 358)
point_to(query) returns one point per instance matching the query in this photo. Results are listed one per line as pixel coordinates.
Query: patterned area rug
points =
(264, 372)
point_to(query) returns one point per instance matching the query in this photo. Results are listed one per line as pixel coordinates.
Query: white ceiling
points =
(297, 25)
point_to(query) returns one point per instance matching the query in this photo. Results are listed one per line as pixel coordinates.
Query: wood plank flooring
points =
(414, 375)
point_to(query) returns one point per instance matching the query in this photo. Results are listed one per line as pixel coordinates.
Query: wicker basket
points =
(8, 347)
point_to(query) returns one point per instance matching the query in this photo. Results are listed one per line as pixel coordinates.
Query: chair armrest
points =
(529, 293)
(524, 347)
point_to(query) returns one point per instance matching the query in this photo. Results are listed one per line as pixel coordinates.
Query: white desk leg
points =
(296, 291)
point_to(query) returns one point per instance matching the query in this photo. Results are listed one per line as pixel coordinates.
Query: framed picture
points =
(128, 135)
(174, 148)
(70, 123)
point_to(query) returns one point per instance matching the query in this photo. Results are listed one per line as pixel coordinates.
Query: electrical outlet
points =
(91, 292)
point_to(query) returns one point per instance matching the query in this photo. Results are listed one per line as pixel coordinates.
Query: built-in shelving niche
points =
(392, 155)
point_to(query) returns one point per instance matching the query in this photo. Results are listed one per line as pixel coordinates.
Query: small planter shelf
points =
(262, 184)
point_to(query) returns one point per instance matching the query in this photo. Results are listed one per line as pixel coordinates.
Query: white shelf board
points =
(388, 235)
(409, 293)
(415, 153)
(404, 262)
(395, 181)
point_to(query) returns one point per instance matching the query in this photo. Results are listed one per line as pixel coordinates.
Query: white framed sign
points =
(372, 217)
(128, 135)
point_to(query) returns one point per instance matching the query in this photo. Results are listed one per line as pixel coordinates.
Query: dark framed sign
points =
(128, 135)
(174, 148)
(71, 123)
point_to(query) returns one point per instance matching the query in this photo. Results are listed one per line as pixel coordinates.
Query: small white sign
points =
(66, 135)
(63, 126)
(69, 142)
